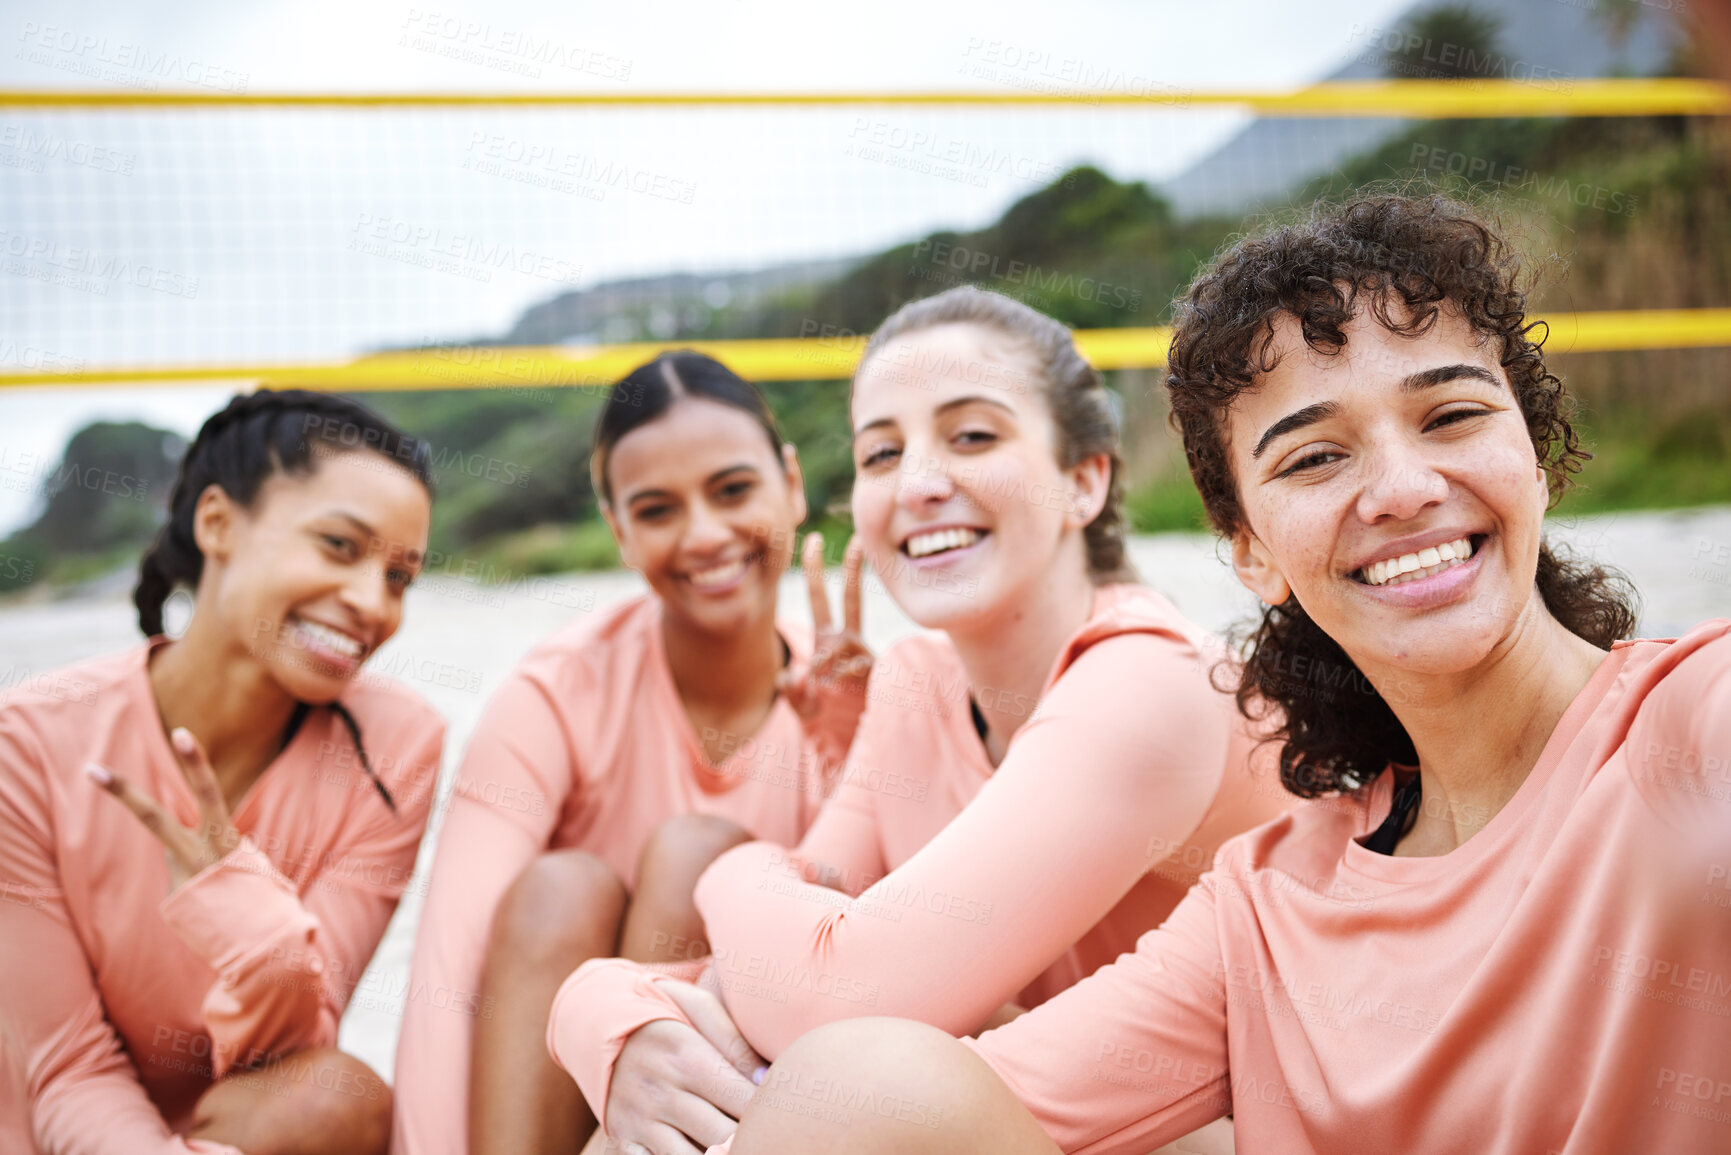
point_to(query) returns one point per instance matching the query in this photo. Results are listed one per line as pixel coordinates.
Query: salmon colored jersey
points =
(123, 1002)
(960, 887)
(1560, 982)
(586, 745)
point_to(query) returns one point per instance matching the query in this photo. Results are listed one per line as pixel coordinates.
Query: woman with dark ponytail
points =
(625, 751)
(177, 956)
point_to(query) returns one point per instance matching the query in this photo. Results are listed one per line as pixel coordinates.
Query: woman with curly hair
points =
(1488, 933)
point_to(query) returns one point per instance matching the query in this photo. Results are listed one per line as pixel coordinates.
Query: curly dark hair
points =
(1422, 252)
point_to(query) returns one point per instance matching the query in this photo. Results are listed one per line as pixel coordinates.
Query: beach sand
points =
(459, 639)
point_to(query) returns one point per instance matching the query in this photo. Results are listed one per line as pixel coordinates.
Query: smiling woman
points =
(1058, 711)
(691, 705)
(301, 450)
(1494, 932)
(713, 537)
(1480, 385)
(189, 947)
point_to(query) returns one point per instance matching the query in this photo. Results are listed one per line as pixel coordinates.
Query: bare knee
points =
(664, 925)
(319, 1100)
(682, 847)
(890, 1085)
(564, 907)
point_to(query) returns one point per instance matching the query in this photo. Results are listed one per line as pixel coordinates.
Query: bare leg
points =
(1210, 1139)
(928, 1094)
(564, 909)
(663, 924)
(315, 1102)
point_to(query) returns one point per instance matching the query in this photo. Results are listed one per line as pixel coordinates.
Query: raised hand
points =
(840, 660)
(189, 851)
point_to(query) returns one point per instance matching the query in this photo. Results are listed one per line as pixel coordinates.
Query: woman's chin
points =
(941, 609)
(304, 677)
(1425, 654)
(313, 687)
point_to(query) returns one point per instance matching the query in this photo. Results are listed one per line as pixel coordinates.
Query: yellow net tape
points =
(793, 359)
(825, 359)
(1426, 99)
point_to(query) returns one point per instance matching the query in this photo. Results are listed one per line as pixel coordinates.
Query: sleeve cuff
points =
(236, 906)
(600, 1006)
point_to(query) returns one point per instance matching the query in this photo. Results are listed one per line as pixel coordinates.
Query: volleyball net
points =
(365, 241)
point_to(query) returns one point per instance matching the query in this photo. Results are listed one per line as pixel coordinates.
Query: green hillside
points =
(1623, 213)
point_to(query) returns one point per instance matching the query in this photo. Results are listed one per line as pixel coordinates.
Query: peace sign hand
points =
(840, 661)
(189, 851)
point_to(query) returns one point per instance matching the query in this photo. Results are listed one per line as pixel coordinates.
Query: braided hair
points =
(255, 436)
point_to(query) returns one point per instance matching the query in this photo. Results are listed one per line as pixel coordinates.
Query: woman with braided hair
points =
(176, 956)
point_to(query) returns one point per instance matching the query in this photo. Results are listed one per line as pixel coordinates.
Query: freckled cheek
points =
(1504, 478)
(1299, 535)
(1304, 560)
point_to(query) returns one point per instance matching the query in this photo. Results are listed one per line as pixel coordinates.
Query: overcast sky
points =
(222, 236)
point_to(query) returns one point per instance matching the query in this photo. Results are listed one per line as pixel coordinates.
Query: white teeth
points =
(329, 638)
(718, 575)
(924, 544)
(1422, 564)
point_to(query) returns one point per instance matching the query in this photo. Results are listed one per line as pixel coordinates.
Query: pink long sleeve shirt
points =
(586, 745)
(1561, 982)
(964, 887)
(122, 1002)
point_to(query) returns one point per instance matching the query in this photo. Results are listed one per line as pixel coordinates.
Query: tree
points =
(1448, 42)
(109, 489)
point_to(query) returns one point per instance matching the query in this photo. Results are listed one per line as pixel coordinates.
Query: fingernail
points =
(757, 1075)
(99, 774)
(183, 739)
